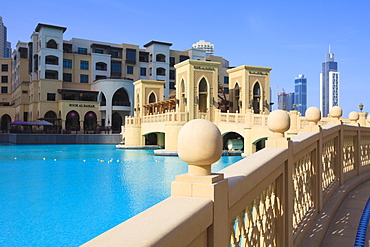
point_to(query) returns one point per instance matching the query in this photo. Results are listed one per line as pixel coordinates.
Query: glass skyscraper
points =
(5, 46)
(300, 94)
(329, 84)
(285, 101)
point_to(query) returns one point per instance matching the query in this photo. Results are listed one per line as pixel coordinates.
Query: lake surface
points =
(65, 195)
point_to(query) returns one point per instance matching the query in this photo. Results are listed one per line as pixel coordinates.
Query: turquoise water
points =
(65, 195)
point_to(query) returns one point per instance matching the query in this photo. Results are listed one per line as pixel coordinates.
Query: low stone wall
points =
(61, 139)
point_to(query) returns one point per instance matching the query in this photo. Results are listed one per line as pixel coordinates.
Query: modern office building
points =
(329, 84)
(285, 101)
(206, 46)
(80, 84)
(300, 94)
(5, 46)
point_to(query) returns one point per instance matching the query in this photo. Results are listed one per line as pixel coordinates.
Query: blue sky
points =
(292, 37)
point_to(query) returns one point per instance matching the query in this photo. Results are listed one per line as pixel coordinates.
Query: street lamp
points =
(361, 106)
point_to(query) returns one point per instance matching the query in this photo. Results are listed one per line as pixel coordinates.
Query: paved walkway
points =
(343, 227)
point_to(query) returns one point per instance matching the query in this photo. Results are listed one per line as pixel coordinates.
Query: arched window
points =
(152, 98)
(5, 121)
(160, 58)
(52, 60)
(103, 101)
(256, 98)
(120, 98)
(203, 95)
(161, 71)
(237, 97)
(116, 122)
(101, 66)
(52, 44)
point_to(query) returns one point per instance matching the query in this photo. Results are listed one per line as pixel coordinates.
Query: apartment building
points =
(80, 84)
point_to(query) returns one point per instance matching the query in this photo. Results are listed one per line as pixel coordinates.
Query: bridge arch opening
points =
(155, 138)
(232, 141)
(259, 144)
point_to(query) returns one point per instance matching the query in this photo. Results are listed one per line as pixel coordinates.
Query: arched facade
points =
(73, 121)
(5, 121)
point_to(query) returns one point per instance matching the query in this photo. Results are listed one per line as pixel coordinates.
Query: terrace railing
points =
(270, 198)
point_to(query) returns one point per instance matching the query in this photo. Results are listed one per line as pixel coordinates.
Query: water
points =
(65, 195)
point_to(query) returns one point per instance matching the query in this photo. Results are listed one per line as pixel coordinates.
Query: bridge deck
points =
(343, 227)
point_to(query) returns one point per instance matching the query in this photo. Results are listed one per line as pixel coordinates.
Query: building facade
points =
(206, 46)
(82, 84)
(300, 94)
(285, 101)
(329, 84)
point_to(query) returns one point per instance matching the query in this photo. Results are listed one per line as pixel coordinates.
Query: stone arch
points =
(155, 138)
(182, 96)
(203, 95)
(73, 120)
(52, 44)
(152, 98)
(51, 117)
(121, 98)
(90, 121)
(5, 121)
(232, 135)
(259, 144)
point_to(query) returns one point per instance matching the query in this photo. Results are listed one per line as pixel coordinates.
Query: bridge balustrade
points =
(272, 196)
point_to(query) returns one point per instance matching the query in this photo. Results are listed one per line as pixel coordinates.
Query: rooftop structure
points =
(206, 46)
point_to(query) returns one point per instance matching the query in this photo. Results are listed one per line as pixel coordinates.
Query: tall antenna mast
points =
(329, 48)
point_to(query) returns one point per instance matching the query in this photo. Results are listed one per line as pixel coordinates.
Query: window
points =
(53, 60)
(172, 75)
(226, 80)
(4, 79)
(143, 71)
(67, 77)
(84, 78)
(100, 77)
(23, 52)
(52, 44)
(24, 91)
(161, 71)
(82, 51)
(67, 63)
(226, 90)
(160, 58)
(116, 67)
(143, 56)
(4, 89)
(115, 54)
(172, 85)
(183, 58)
(101, 66)
(51, 74)
(84, 65)
(130, 56)
(50, 97)
(100, 51)
(172, 61)
(4, 68)
(130, 69)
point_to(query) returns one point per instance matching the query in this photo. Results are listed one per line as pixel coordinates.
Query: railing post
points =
(340, 173)
(318, 169)
(357, 144)
(200, 145)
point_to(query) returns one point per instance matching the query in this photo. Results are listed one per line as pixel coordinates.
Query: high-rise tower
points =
(300, 94)
(329, 84)
(5, 49)
(207, 46)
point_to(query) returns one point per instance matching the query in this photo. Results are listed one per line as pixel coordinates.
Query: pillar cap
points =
(199, 145)
(278, 122)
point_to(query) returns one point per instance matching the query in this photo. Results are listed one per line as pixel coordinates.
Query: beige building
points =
(81, 84)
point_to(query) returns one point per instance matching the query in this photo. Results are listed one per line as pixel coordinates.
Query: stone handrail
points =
(270, 198)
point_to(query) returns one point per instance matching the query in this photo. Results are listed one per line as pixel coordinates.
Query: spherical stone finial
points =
(199, 145)
(278, 122)
(336, 112)
(353, 116)
(313, 115)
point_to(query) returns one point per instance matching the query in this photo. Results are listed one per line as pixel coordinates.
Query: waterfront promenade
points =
(287, 194)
